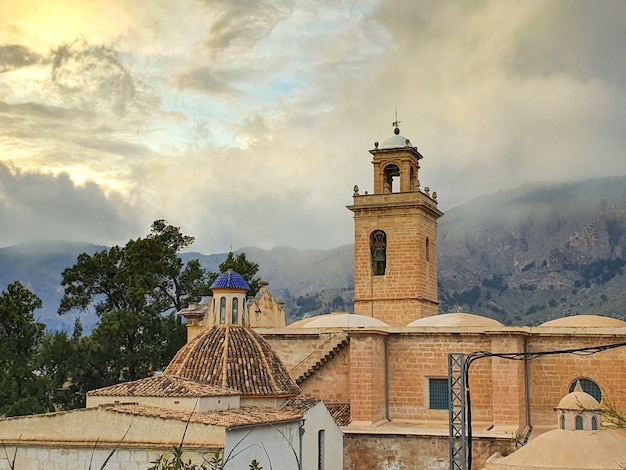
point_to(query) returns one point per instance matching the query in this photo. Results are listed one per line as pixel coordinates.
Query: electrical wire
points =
(523, 356)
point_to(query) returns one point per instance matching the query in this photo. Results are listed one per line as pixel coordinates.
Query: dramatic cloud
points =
(39, 206)
(248, 122)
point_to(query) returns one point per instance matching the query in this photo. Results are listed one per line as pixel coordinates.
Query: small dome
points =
(578, 400)
(395, 142)
(456, 319)
(580, 321)
(338, 320)
(230, 280)
(234, 357)
(565, 450)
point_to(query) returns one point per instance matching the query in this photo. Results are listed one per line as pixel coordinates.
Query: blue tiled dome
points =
(230, 280)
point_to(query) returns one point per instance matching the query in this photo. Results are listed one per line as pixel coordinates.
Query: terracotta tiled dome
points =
(234, 357)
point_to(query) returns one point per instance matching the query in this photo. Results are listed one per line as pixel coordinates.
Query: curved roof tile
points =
(234, 357)
(162, 386)
(230, 280)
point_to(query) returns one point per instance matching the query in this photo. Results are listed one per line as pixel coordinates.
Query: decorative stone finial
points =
(376, 145)
(356, 190)
(435, 195)
(578, 387)
(427, 191)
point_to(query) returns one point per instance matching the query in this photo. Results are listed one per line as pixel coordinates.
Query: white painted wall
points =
(201, 404)
(318, 418)
(79, 458)
(276, 444)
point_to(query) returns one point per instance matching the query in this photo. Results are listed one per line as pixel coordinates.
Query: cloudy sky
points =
(248, 122)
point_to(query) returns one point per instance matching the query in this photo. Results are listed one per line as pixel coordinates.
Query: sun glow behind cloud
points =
(249, 122)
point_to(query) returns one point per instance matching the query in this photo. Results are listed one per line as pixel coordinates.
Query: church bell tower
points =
(395, 238)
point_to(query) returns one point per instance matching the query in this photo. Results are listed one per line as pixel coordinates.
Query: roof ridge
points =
(261, 351)
(224, 380)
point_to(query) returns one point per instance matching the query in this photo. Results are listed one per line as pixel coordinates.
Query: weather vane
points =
(395, 123)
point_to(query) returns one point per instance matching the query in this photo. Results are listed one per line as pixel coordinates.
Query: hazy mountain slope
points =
(520, 256)
(553, 249)
(38, 265)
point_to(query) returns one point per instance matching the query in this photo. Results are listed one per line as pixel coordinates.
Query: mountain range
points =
(520, 256)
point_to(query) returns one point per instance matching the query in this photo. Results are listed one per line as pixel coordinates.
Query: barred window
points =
(438, 394)
(588, 386)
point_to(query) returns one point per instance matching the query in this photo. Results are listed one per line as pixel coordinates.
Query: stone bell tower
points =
(395, 238)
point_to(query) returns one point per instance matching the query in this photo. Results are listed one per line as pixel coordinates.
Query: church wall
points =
(331, 384)
(293, 345)
(393, 452)
(367, 376)
(414, 358)
(551, 376)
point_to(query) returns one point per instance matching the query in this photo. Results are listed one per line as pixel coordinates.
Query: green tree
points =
(60, 359)
(240, 264)
(136, 290)
(22, 390)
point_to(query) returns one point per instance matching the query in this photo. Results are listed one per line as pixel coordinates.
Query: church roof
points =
(243, 416)
(578, 400)
(456, 320)
(234, 357)
(163, 386)
(338, 320)
(340, 413)
(579, 321)
(230, 280)
(566, 450)
(395, 142)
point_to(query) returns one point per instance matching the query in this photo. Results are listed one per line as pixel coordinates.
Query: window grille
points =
(588, 386)
(438, 394)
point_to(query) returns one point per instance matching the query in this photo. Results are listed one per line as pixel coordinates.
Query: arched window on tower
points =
(594, 423)
(378, 249)
(562, 422)
(235, 313)
(392, 179)
(223, 310)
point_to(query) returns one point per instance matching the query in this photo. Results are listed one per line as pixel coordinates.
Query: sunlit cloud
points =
(249, 122)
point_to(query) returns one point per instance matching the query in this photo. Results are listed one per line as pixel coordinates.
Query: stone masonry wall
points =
(408, 290)
(332, 385)
(390, 452)
(551, 376)
(367, 377)
(415, 358)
